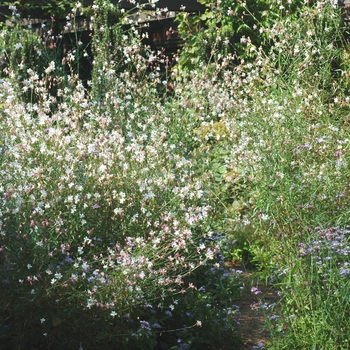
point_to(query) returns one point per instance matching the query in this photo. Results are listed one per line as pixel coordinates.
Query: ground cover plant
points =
(123, 197)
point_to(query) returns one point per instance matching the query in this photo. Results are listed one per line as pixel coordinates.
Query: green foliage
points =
(219, 31)
(47, 9)
(227, 26)
(107, 45)
(316, 294)
(51, 58)
(23, 51)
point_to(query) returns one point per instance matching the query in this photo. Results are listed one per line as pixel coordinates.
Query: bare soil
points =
(251, 327)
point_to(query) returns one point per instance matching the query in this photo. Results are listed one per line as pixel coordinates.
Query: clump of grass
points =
(286, 158)
(315, 293)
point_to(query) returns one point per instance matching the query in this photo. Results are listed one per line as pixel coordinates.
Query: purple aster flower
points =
(69, 259)
(255, 290)
(145, 325)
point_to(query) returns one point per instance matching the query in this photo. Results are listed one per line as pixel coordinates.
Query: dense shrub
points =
(106, 234)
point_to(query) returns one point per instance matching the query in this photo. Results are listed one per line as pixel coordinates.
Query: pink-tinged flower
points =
(199, 323)
(96, 206)
(256, 290)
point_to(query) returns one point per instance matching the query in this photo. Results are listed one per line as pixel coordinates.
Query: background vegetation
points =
(124, 197)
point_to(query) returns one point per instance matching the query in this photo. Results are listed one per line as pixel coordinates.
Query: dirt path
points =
(251, 328)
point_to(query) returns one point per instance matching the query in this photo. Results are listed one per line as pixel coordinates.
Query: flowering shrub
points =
(106, 212)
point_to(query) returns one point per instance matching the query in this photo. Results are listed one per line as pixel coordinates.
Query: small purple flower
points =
(344, 272)
(96, 206)
(145, 325)
(256, 290)
(169, 313)
(69, 259)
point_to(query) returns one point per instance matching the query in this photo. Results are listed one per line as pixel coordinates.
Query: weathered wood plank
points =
(171, 5)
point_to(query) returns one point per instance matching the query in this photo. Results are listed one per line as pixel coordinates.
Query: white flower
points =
(18, 46)
(118, 211)
(58, 275)
(265, 217)
(50, 68)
